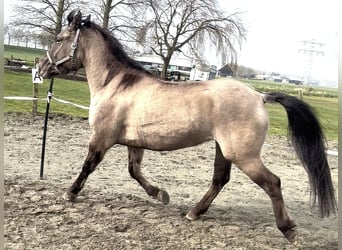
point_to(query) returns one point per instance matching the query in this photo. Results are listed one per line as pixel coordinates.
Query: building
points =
(226, 71)
(180, 69)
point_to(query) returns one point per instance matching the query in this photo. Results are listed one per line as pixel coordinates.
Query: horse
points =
(130, 106)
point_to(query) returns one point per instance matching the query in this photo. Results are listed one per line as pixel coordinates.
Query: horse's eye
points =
(59, 40)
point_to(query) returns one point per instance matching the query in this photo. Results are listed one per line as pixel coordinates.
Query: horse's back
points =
(236, 101)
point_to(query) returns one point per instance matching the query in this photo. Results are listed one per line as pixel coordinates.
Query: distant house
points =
(261, 77)
(294, 80)
(203, 72)
(225, 71)
(178, 70)
(198, 75)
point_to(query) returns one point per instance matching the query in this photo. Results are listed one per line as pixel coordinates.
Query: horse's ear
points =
(74, 20)
(71, 16)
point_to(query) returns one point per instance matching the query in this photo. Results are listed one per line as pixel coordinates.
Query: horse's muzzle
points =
(46, 69)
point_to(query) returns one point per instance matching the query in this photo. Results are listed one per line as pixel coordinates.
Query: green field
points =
(26, 54)
(20, 84)
(268, 86)
(323, 100)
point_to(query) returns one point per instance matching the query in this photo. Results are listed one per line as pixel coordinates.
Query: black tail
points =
(308, 140)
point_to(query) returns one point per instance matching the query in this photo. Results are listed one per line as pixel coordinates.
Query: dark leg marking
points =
(271, 184)
(94, 157)
(221, 176)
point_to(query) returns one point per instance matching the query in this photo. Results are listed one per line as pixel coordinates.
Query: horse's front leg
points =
(135, 156)
(95, 155)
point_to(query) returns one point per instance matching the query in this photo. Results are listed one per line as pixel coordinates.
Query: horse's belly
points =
(165, 136)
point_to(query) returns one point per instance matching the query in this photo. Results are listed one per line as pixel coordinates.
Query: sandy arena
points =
(114, 212)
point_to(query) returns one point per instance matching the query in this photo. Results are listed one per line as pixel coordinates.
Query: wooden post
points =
(35, 92)
(300, 94)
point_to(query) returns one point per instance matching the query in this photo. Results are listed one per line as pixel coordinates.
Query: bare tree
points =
(44, 39)
(119, 16)
(191, 24)
(59, 15)
(7, 31)
(27, 37)
(45, 15)
(244, 72)
(34, 38)
(17, 34)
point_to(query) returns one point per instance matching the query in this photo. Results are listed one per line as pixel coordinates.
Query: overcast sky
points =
(275, 31)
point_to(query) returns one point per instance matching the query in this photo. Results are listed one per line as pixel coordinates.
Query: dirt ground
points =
(114, 212)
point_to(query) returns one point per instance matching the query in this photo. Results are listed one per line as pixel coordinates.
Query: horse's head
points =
(64, 54)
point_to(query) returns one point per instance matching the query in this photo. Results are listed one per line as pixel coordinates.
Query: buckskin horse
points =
(130, 106)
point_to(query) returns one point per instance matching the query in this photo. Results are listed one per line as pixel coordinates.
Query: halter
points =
(71, 54)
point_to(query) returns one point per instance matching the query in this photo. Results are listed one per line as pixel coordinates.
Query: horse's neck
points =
(103, 70)
(96, 66)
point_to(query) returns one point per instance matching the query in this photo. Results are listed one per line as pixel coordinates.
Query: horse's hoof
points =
(291, 235)
(190, 216)
(69, 196)
(164, 197)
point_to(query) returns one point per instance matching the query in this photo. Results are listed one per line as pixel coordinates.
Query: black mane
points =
(121, 59)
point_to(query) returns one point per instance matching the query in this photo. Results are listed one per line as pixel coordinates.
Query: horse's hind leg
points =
(135, 156)
(256, 170)
(95, 155)
(221, 176)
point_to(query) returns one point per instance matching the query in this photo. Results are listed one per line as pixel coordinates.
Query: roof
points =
(226, 70)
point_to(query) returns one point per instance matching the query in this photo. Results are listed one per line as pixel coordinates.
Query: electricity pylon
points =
(311, 48)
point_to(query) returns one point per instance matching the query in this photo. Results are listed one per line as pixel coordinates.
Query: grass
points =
(20, 84)
(326, 109)
(26, 54)
(323, 100)
(268, 86)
